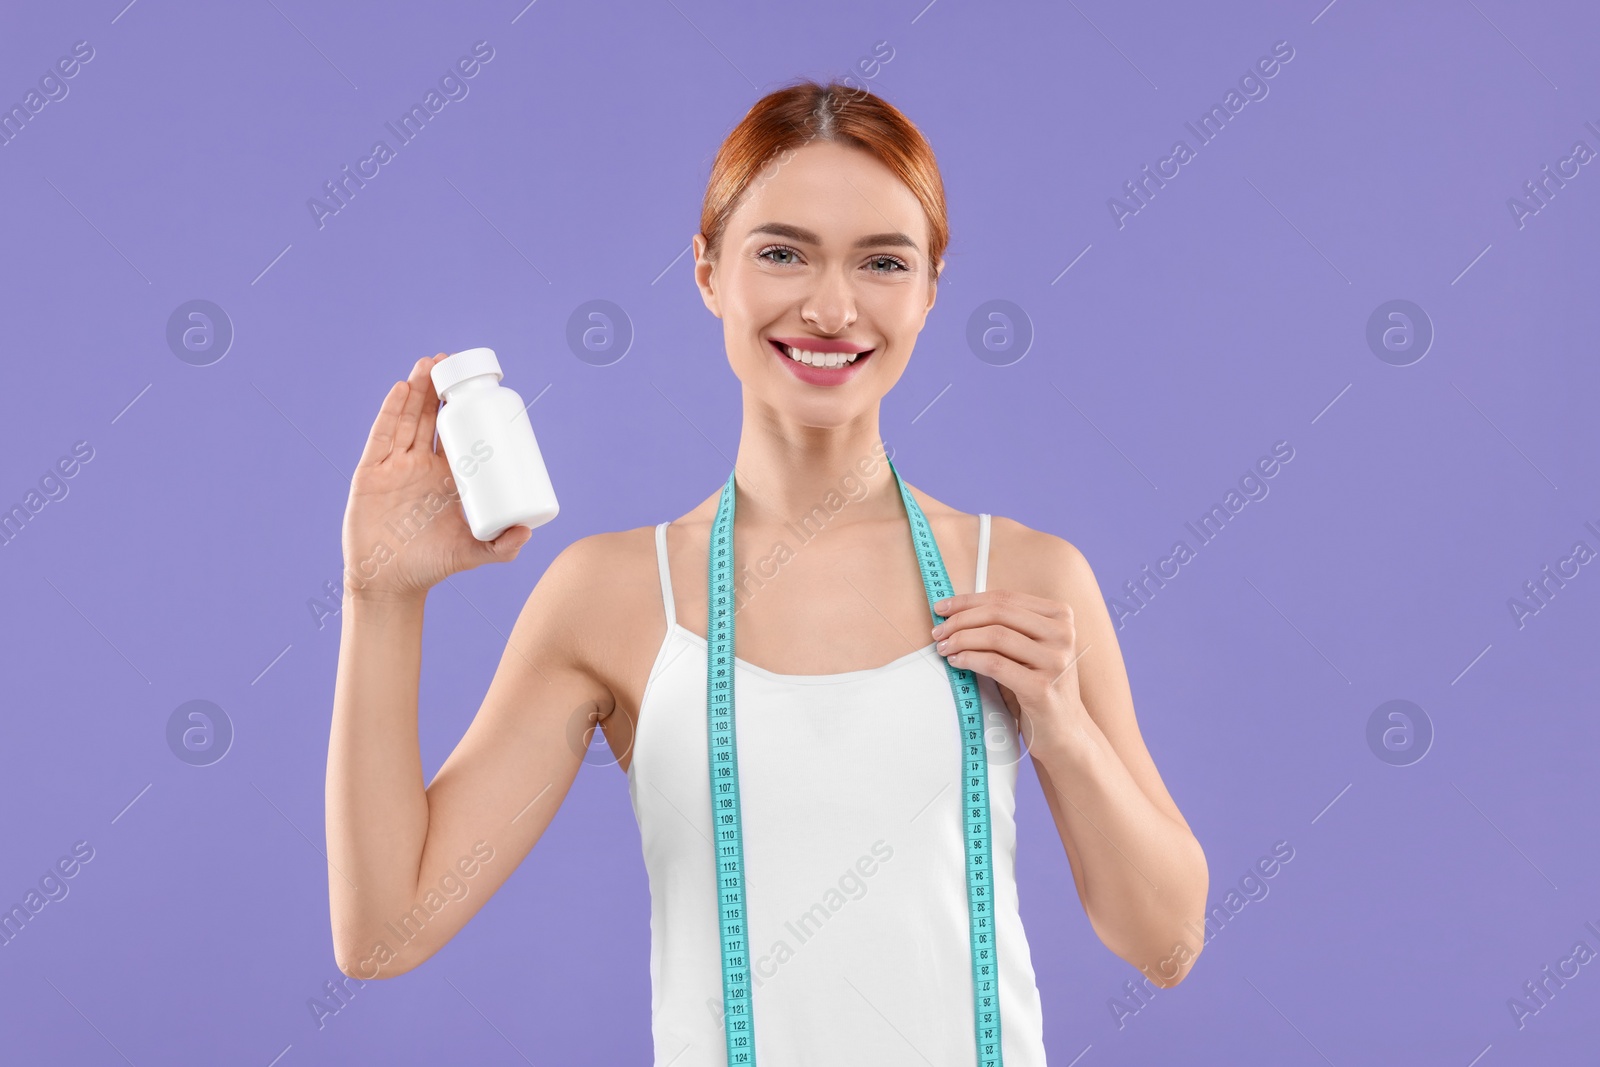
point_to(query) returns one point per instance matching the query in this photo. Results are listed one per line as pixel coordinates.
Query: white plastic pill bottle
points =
(486, 436)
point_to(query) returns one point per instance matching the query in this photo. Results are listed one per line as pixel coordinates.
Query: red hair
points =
(806, 111)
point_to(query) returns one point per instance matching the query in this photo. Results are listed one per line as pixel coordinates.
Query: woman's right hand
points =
(404, 531)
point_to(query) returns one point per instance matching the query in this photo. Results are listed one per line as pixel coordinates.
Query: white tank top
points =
(849, 792)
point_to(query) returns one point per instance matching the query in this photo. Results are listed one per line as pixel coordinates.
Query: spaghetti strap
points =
(666, 575)
(983, 552)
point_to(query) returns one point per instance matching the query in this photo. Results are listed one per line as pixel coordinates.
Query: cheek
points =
(752, 303)
(899, 315)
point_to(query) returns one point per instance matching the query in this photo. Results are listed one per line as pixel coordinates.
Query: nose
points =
(830, 306)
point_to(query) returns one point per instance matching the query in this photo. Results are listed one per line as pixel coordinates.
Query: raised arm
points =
(410, 863)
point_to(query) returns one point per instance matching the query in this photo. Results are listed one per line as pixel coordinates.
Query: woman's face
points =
(828, 249)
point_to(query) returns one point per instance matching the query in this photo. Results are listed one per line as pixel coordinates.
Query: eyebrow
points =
(797, 233)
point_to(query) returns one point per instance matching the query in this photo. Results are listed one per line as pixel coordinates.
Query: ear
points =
(703, 271)
(933, 289)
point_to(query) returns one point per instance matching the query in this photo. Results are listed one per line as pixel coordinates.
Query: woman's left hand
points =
(1028, 645)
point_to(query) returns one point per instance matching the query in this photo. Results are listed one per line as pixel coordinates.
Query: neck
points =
(787, 473)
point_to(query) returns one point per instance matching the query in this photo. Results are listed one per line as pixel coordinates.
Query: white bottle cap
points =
(457, 368)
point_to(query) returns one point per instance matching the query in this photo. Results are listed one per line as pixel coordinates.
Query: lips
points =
(814, 375)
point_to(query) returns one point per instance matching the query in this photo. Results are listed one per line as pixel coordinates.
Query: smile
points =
(820, 368)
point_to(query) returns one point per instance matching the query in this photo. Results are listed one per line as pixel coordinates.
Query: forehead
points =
(834, 190)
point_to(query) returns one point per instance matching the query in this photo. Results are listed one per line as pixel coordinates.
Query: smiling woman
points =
(756, 767)
(807, 144)
(892, 291)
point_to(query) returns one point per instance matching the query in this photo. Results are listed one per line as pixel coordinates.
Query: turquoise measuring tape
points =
(728, 830)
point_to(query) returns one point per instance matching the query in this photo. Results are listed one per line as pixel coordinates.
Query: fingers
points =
(430, 409)
(405, 431)
(1039, 605)
(1006, 607)
(1002, 640)
(381, 437)
(505, 547)
(1007, 672)
(511, 539)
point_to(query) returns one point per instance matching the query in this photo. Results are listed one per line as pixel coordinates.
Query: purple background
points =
(1230, 313)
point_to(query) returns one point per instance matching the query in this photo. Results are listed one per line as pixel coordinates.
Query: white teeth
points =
(821, 359)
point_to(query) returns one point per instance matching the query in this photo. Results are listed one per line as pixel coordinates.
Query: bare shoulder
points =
(1040, 563)
(605, 591)
(1020, 557)
(602, 580)
(602, 563)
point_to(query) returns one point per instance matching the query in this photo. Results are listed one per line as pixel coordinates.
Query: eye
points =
(780, 249)
(897, 263)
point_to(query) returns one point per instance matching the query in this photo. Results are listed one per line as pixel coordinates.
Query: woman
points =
(822, 238)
